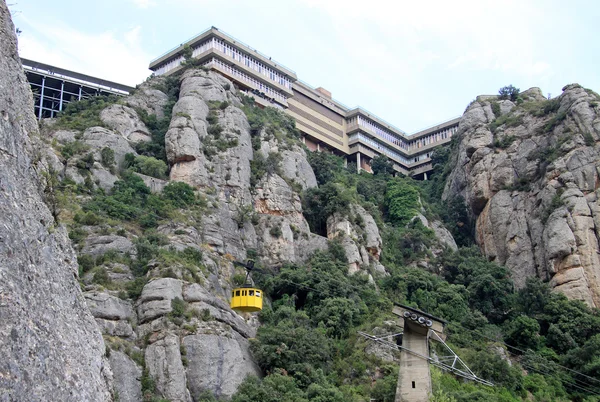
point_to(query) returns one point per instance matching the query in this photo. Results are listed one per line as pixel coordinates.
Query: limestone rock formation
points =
(529, 174)
(359, 235)
(50, 346)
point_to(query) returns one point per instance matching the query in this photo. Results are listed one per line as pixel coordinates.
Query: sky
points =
(412, 63)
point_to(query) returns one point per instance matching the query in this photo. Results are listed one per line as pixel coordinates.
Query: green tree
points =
(402, 200)
(273, 388)
(509, 92)
(179, 193)
(524, 332)
(381, 164)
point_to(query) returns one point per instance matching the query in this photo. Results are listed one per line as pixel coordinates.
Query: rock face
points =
(359, 235)
(529, 174)
(50, 346)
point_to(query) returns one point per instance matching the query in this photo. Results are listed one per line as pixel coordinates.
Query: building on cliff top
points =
(54, 87)
(324, 122)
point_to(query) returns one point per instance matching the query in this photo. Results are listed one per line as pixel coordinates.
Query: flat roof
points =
(49, 69)
(216, 32)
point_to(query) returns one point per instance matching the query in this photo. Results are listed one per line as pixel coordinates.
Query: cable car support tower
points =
(414, 376)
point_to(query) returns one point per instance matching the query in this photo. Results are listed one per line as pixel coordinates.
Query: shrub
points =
(402, 201)
(178, 307)
(73, 148)
(509, 92)
(108, 157)
(275, 231)
(382, 165)
(179, 193)
(150, 166)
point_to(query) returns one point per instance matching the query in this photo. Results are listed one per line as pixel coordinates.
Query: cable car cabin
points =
(246, 299)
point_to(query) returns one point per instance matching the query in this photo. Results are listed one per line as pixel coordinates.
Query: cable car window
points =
(257, 293)
(237, 292)
(232, 293)
(251, 292)
(244, 292)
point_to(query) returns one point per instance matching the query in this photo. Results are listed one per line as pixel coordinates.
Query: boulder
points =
(128, 376)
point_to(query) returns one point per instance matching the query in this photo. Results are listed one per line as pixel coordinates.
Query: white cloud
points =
(110, 55)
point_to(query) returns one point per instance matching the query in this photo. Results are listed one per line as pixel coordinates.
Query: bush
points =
(381, 164)
(178, 307)
(275, 231)
(402, 201)
(150, 166)
(508, 92)
(108, 157)
(179, 193)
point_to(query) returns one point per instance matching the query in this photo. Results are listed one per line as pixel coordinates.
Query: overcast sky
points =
(413, 63)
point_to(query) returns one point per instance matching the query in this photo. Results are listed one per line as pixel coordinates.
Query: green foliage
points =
(80, 115)
(158, 127)
(325, 165)
(73, 148)
(402, 200)
(259, 166)
(178, 307)
(179, 193)
(108, 158)
(274, 388)
(458, 220)
(506, 120)
(321, 202)
(496, 108)
(505, 141)
(381, 164)
(523, 332)
(131, 200)
(508, 92)
(275, 231)
(149, 166)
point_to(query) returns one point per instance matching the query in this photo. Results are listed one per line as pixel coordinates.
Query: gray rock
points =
(155, 185)
(156, 298)
(149, 98)
(127, 377)
(522, 220)
(50, 345)
(98, 138)
(125, 121)
(163, 360)
(99, 245)
(105, 306)
(218, 364)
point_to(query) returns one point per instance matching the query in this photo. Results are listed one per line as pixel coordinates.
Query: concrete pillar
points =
(62, 91)
(318, 147)
(345, 162)
(358, 162)
(425, 176)
(79, 93)
(414, 378)
(41, 98)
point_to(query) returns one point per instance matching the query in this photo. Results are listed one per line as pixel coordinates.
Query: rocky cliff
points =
(528, 171)
(50, 346)
(158, 282)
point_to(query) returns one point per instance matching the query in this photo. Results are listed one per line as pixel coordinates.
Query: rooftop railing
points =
(232, 38)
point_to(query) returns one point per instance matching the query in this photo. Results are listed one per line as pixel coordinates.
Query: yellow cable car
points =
(247, 298)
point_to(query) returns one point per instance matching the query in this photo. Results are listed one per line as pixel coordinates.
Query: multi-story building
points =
(324, 122)
(54, 87)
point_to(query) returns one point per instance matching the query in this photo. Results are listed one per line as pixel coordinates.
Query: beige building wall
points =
(319, 122)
